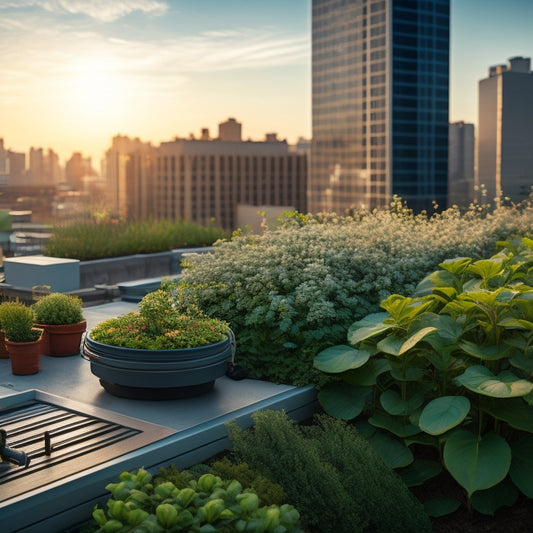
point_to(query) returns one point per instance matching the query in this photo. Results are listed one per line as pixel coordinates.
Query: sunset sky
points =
(76, 72)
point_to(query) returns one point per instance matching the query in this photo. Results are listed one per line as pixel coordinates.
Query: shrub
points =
(17, 322)
(206, 504)
(293, 291)
(58, 308)
(337, 481)
(450, 368)
(270, 493)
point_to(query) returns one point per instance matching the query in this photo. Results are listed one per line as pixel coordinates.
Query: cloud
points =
(102, 10)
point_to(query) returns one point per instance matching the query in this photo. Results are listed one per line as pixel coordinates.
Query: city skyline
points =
(75, 74)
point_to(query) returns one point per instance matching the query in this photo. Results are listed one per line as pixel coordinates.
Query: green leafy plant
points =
(17, 322)
(450, 367)
(333, 476)
(295, 290)
(205, 505)
(160, 325)
(58, 308)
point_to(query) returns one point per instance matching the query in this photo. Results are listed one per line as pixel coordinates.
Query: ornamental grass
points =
(97, 239)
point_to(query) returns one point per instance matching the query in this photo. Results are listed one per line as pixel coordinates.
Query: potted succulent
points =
(22, 338)
(163, 351)
(60, 316)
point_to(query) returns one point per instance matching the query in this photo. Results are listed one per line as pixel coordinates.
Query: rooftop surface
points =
(196, 426)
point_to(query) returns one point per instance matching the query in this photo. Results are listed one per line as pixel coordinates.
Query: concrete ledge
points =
(115, 270)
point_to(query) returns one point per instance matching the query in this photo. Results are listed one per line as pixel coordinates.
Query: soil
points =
(515, 519)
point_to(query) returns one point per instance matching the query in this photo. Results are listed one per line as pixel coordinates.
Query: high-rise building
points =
(4, 165)
(36, 171)
(380, 71)
(505, 131)
(17, 168)
(204, 180)
(128, 172)
(461, 164)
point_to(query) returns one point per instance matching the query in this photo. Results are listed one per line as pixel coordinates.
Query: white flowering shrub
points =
(295, 290)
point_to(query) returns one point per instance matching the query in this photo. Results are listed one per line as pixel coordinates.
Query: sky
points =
(74, 73)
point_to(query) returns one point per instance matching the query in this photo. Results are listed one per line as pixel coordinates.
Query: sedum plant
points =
(161, 325)
(206, 505)
(293, 291)
(450, 367)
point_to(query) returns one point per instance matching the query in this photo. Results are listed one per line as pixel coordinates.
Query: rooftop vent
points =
(42, 441)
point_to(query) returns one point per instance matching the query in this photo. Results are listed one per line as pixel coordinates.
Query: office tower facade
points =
(461, 176)
(380, 71)
(202, 181)
(505, 131)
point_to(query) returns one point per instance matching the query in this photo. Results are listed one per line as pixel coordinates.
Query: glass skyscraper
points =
(380, 72)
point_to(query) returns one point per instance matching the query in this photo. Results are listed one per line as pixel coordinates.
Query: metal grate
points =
(59, 441)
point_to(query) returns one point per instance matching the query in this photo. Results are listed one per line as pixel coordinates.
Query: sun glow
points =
(97, 88)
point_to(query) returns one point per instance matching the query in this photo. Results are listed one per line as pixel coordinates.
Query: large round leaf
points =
(342, 400)
(441, 506)
(480, 379)
(391, 450)
(443, 414)
(336, 359)
(366, 376)
(419, 471)
(487, 353)
(476, 463)
(394, 345)
(490, 500)
(515, 411)
(392, 402)
(393, 424)
(367, 327)
(522, 465)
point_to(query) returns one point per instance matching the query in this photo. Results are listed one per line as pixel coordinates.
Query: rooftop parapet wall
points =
(114, 270)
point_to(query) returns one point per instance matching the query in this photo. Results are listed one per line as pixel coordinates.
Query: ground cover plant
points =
(330, 474)
(449, 368)
(295, 290)
(99, 238)
(196, 504)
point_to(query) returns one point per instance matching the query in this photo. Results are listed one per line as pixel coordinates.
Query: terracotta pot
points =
(63, 339)
(4, 354)
(25, 357)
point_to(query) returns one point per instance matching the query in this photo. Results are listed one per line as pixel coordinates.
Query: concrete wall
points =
(114, 270)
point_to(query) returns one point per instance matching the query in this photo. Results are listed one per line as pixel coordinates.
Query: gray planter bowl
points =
(157, 374)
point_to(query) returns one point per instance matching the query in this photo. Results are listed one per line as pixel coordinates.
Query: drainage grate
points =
(55, 441)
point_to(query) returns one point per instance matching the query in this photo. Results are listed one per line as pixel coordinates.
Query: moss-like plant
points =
(159, 325)
(330, 473)
(17, 321)
(58, 309)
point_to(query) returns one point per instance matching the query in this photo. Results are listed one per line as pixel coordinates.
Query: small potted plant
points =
(159, 352)
(60, 316)
(22, 338)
